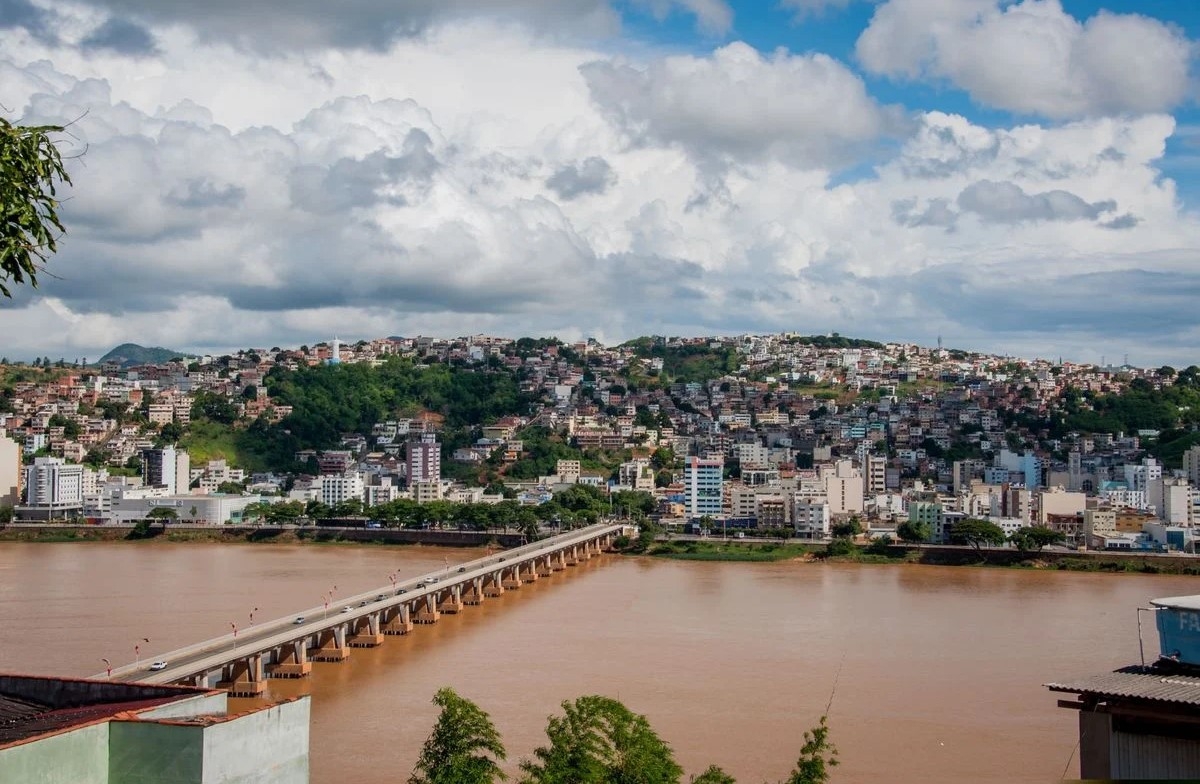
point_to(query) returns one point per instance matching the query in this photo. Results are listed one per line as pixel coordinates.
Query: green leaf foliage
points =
(30, 167)
(598, 740)
(977, 533)
(463, 747)
(713, 775)
(817, 757)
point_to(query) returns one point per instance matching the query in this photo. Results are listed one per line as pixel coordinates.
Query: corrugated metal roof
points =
(1138, 683)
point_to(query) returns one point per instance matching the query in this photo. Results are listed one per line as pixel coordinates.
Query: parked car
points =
(158, 665)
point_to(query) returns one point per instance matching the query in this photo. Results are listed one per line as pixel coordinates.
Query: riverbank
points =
(926, 554)
(258, 534)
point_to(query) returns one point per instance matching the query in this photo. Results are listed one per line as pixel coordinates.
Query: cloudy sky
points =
(1017, 177)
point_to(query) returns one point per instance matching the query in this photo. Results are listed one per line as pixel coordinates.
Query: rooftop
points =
(1137, 682)
(33, 705)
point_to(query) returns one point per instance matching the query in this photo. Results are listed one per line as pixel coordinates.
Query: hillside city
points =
(786, 435)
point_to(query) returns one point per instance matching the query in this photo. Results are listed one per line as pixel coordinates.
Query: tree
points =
(910, 531)
(598, 740)
(30, 167)
(713, 775)
(977, 533)
(6, 514)
(851, 528)
(163, 513)
(1035, 537)
(817, 756)
(463, 747)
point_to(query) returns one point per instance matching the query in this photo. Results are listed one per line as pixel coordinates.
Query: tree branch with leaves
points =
(31, 169)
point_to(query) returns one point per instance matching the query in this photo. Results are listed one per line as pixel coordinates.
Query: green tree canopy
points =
(910, 531)
(30, 167)
(598, 740)
(713, 775)
(1035, 537)
(463, 747)
(977, 533)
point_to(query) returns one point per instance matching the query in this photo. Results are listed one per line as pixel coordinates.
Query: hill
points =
(129, 354)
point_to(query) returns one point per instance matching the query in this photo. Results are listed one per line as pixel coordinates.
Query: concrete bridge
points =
(283, 648)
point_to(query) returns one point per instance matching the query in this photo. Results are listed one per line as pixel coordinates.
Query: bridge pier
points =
(494, 584)
(453, 602)
(366, 632)
(528, 572)
(474, 593)
(291, 661)
(543, 566)
(244, 677)
(558, 562)
(513, 579)
(571, 556)
(399, 621)
(331, 645)
(427, 609)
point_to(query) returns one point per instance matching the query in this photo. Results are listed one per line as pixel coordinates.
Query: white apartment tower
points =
(167, 467)
(52, 484)
(10, 472)
(424, 460)
(703, 483)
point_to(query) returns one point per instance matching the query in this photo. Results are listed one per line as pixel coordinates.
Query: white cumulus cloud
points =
(1032, 57)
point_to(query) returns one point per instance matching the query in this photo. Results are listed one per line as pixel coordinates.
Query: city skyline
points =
(893, 171)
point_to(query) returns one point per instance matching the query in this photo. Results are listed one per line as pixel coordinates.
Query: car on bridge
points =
(299, 620)
(158, 665)
(347, 609)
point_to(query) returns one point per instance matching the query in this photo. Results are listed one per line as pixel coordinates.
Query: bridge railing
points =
(229, 639)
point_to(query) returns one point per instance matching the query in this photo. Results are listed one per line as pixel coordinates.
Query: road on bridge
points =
(211, 654)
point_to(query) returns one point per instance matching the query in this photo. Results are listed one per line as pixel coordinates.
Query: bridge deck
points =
(209, 655)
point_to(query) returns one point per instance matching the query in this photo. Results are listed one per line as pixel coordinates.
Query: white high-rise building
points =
(703, 485)
(52, 485)
(167, 467)
(335, 352)
(10, 472)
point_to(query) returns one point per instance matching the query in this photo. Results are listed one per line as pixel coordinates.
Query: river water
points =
(934, 673)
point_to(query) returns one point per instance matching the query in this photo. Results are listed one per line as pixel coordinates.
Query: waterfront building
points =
(167, 467)
(424, 459)
(703, 486)
(53, 488)
(10, 472)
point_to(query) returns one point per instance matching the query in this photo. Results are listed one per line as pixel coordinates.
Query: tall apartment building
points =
(167, 467)
(703, 482)
(843, 488)
(1191, 465)
(876, 471)
(52, 485)
(10, 472)
(424, 460)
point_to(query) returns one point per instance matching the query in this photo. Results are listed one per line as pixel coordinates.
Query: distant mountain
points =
(130, 354)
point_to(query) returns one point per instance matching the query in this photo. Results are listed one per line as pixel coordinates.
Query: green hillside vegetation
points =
(687, 363)
(1173, 409)
(330, 401)
(834, 340)
(129, 354)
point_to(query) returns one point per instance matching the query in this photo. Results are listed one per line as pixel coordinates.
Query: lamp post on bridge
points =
(137, 652)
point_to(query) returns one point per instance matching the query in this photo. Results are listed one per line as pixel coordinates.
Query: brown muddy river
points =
(938, 670)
